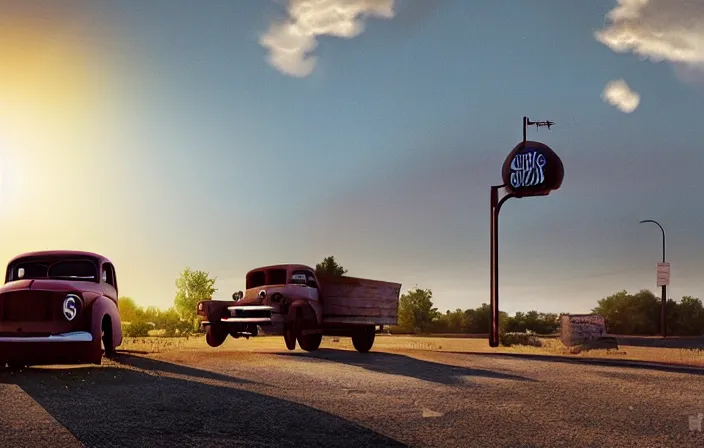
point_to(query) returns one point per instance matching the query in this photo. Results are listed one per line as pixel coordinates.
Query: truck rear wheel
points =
(216, 334)
(310, 342)
(364, 339)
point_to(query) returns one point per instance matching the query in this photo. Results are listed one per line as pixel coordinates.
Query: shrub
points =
(528, 338)
(137, 330)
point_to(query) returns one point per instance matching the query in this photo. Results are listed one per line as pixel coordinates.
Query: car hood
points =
(51, 285)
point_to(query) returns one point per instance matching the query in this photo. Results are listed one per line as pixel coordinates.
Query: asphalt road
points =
(339, 398)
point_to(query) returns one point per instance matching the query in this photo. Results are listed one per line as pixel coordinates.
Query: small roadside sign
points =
(663, 274)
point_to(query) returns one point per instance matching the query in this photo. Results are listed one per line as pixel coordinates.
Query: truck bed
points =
(359, 301)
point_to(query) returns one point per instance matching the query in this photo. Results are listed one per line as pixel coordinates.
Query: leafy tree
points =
(690, 317)
(129, 311)
(540, 323)
(451, 322)
(633, 314)
(416, 312)
(479, 320)
(330, 267)
(191, 288)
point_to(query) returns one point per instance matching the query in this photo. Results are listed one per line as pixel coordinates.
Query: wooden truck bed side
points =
(359, 301)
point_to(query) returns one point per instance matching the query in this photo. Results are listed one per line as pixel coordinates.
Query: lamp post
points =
(663, 325)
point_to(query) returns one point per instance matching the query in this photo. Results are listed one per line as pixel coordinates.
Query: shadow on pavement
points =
(177, 369)
(622, 363)
(403, 365)
(122, 407)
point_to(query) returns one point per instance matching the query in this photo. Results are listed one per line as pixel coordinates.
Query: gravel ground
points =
(251, 393)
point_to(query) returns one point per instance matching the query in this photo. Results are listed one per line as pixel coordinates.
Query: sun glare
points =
(48, 101)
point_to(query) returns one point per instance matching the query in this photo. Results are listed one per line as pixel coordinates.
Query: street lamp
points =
(663, 327)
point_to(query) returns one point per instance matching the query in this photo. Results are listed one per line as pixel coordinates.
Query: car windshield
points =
(63, 269)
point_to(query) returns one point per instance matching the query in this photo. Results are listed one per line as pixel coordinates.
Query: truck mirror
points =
(237, 296)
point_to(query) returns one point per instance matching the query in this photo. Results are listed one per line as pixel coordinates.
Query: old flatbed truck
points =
(291, 300)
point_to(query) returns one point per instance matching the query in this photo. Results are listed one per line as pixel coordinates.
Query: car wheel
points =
(107, 339)
(364, 339)
(310, 342)
(216, 334)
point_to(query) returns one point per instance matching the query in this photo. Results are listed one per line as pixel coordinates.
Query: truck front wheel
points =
(216, 334)
(290, 336)
(310, 342)
(364, 339)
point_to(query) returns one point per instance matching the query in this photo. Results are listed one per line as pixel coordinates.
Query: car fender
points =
(213, 310)
(308, 311)
(103, 306)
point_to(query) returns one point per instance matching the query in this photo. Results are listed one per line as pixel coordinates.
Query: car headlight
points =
(71, 307)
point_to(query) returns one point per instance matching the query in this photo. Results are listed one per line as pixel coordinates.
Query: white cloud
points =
(659, 30)
(618, 94)
(292, 41)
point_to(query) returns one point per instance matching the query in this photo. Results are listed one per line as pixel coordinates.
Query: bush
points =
(137, 330)
(528, 338)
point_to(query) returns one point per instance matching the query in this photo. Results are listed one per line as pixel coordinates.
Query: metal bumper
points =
(74, 336)
(248, 319)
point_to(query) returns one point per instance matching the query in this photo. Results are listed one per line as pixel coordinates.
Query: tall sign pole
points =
(531, 169)
(663, 279)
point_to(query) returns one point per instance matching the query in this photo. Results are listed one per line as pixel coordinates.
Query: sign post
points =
(531, 169)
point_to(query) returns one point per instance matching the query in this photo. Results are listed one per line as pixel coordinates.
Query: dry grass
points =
(550, 347)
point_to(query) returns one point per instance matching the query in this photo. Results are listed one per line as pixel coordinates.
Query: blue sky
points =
(209, 156)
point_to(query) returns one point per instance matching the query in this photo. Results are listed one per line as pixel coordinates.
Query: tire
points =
(290, 336)
(364, 339)
(107, 339)
(310, 342)
(215, 335)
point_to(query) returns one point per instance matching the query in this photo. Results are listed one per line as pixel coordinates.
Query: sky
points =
(226, 135)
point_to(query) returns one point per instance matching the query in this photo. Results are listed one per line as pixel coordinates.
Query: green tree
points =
(330, 267)
(633, 314)
(690, 317)
(129, 311)
(478, 320)
(540, 323)
(191, 288)
(415, 311)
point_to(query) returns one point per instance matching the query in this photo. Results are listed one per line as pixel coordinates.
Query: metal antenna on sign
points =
(537, 124)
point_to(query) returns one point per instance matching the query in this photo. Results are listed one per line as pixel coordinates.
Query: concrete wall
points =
(578, 329)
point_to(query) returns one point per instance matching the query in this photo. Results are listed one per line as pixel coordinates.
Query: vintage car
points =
(58, 307)
(291, 300)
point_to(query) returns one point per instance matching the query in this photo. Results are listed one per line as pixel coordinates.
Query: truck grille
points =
(23, 308)
(251, 313)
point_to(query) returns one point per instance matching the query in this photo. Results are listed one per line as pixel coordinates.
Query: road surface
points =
(232, 397)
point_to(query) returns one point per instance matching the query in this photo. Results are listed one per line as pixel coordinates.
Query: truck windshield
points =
(63, 269)
(266, 277)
